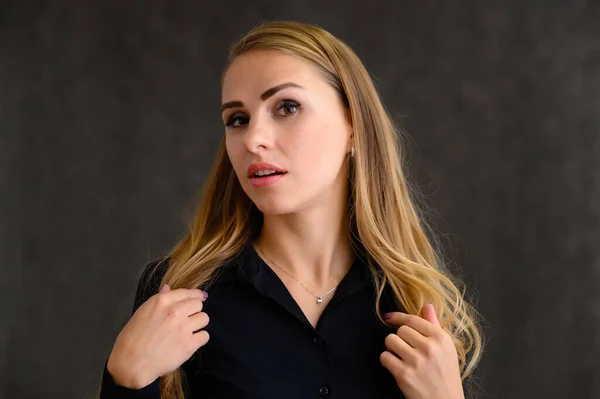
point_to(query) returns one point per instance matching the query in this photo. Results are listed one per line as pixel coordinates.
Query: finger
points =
(392, 364)
(181, 294)
(190, 306)
(200, 338)
(198, 321)
(399, 347)
(429, 314)
(421, 325)
(411, 336)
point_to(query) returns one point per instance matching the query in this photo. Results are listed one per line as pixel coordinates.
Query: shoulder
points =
(154, 271)
(149, 280)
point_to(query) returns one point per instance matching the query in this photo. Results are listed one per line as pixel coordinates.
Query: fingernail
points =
(205, 294)
(387, 315)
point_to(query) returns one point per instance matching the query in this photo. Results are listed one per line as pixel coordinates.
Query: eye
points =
(289, 107)
(236, 120)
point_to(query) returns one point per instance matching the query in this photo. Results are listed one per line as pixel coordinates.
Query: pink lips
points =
(256, 167)
(265, 180)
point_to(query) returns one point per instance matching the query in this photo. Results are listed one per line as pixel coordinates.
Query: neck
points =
(313, 246)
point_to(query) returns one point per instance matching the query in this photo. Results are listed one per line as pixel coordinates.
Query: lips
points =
(255, 167)
(265, 181)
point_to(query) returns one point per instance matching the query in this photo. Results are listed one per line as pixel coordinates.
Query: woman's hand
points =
(162, 334)
(422, 358)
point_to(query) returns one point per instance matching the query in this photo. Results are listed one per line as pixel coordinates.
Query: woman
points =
(305, 245)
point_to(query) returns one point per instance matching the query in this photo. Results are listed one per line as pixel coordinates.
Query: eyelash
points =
(282, 104)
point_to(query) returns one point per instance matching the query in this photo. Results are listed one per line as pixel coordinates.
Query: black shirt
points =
(262, 346)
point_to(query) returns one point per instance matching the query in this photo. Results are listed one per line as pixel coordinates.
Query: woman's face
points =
(279, 110)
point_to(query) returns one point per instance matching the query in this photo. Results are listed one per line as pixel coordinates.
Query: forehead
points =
(257, 71)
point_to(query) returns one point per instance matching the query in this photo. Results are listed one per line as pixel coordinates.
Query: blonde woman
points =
(306, 272)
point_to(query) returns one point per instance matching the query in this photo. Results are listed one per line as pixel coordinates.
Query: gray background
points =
(109, 121)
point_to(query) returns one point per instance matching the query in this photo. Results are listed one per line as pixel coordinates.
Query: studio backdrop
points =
(110, 120)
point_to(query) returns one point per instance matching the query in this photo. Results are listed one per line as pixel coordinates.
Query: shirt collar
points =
(252, 266)
(251, 269)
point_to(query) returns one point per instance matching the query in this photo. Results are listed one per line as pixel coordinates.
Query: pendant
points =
(320, 300)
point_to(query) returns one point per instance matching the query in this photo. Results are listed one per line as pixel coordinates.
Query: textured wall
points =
(109, 121)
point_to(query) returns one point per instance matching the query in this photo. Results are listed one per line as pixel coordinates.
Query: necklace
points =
(319, 297)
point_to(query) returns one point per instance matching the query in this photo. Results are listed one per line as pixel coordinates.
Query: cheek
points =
(317, 149)
(234, 152)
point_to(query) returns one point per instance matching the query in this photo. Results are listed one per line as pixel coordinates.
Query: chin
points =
(274, 206)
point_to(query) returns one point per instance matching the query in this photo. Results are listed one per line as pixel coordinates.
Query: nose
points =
(259, 134)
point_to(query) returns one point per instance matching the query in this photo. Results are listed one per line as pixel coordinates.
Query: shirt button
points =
(317, 341)
(323, 391)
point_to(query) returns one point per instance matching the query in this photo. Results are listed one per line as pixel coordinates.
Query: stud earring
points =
(352, 152)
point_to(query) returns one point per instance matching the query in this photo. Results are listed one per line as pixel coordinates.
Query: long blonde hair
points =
(382, 217)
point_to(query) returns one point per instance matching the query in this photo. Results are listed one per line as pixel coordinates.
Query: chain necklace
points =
(319, 297)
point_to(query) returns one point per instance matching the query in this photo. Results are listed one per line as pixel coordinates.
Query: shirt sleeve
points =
(111, 390)
(148, 285)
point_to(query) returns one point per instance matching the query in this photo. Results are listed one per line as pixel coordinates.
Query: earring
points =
(352, 152)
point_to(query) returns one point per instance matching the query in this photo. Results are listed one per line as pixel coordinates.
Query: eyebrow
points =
(268, 93)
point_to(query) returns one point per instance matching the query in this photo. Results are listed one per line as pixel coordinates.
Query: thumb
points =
(428, 313)
(165, 288)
